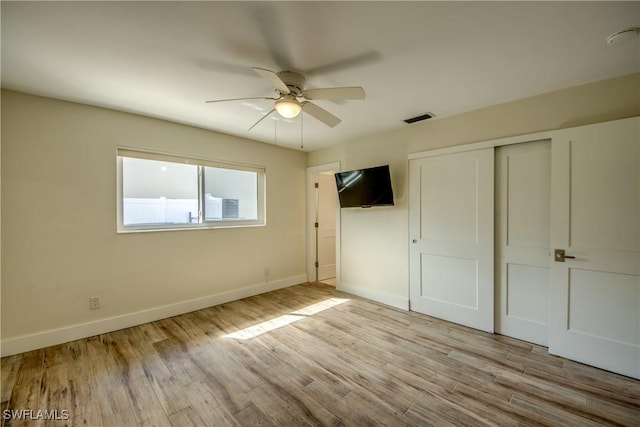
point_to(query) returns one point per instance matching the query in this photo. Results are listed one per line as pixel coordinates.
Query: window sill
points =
(186, 227)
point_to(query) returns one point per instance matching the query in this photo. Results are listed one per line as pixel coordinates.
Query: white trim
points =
(323, 168)
(179, 158)
(311, 237)
(492, 143)
(482, 144)
(83, 330)
(397, 301)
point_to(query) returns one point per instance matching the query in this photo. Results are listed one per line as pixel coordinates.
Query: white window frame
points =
(201, 163)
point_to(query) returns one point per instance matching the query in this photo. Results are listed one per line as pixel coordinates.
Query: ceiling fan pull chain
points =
(301, 131)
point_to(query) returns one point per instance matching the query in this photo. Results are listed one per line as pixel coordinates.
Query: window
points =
(164, 192)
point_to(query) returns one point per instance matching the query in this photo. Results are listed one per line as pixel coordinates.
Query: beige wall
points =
(59, 240)
(374, 242)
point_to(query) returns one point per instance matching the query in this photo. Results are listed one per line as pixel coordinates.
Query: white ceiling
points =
(164, 59)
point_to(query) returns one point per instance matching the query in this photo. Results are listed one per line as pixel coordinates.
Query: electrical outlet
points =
(267, 272)
(94, 303)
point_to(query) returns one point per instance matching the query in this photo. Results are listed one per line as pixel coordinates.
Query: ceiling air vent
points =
(419, 118)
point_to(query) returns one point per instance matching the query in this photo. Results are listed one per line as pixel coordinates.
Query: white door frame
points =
(311, 218)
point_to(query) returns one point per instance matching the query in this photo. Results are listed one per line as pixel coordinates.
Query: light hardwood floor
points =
(309, 355)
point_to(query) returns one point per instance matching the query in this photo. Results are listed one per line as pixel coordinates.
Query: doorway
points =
(323, 225)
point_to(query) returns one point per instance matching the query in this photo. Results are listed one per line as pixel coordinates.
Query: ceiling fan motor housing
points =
(294, 81)
(289, 85)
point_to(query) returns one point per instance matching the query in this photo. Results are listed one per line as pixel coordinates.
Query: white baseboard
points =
(396, 301)
(83, 330)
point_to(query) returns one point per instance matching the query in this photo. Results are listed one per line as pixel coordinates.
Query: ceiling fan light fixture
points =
(288, 107)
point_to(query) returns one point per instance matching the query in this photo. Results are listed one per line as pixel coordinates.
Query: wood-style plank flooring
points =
(308, 355)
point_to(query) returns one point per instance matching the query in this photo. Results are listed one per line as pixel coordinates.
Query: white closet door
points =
(595, 217)
(451, 233)
(523, 197)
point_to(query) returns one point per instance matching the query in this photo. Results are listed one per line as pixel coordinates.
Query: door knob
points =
(415, 240)
(559, 255)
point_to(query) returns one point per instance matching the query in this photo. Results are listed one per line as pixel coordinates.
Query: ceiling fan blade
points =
(358, 60)
(321, 114)
(271, 20)
(272, 78)
(238, 99)
(224, 67)
(335, 93)
(261, 119)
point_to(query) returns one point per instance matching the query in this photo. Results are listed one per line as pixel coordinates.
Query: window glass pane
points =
(156, 192)
(230, 194)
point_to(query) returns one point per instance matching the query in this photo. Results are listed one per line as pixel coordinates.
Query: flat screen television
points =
(365, 188)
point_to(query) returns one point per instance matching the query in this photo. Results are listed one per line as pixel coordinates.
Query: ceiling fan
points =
(289, 86)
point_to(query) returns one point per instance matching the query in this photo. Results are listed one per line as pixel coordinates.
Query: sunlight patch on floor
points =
(286, 319)
(320, 306)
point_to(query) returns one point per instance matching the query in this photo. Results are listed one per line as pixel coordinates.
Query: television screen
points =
(364, 188)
